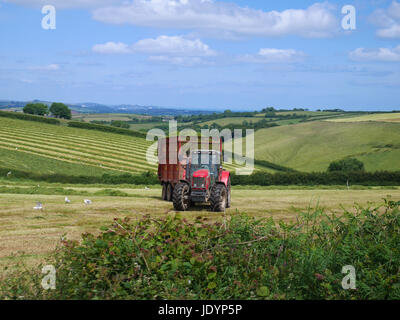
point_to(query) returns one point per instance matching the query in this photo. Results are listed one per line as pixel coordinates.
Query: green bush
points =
(171, 258)
(346, 165)
(23, 116)
(39, 109)
(60, 110)
(120, 124)
(98, 127)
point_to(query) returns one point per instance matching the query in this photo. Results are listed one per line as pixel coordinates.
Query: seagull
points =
(39, 206)
(67, 200)
(87, 201)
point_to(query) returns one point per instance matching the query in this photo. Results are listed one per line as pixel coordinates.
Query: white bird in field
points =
(9, 173)
(67, 200)
(39, 206)
(146, 188)
(87, 201)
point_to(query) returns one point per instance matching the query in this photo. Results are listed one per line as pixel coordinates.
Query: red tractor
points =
(199, 178)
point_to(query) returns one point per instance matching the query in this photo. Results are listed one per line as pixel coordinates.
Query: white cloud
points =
(111, 48)
(222, 18)
(66, 4)
(175, 45)
(388, 20)
(380, 54)
(272, 55)
(163, 45)
(180, 61)
(165, 49)
(49, 67)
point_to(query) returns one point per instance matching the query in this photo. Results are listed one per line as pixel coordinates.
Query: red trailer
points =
(189, 174)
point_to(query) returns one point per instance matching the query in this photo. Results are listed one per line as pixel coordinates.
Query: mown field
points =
(44, 148)
(381, 117)
(106, 116)
(312, 146)
(33, 233)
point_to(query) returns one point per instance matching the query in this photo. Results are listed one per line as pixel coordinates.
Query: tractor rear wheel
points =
(228, 202)
(169, 192)
(181, 197)
(219, 198)
(164, 192)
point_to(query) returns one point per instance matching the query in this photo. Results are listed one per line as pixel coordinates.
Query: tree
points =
(346, 165)
(39, 109)
(60, 110)
(29, 108)
(120, 124)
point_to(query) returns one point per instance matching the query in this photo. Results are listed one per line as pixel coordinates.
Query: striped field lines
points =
(99, 149)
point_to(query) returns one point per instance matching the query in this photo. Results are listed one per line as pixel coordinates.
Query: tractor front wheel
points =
(219, 198)
(181, 197)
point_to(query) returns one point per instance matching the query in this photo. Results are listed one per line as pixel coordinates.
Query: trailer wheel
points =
(164, 192)
(181, 197)
(219, 198)
(169, 192)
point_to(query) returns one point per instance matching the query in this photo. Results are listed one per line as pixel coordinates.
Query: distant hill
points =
(90, 107)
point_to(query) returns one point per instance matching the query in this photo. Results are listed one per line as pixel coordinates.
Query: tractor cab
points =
(203, 173)
(204, 165)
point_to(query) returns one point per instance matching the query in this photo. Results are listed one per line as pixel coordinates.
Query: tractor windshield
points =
(208, 160)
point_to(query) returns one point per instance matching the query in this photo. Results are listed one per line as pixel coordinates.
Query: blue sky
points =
(242, 55)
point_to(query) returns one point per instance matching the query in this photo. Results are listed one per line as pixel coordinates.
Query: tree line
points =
(57, 110)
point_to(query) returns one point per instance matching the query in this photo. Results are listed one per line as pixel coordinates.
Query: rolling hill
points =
(312, 146)
(47, 149)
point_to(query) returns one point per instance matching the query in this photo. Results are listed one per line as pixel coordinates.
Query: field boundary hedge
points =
(29, 117)
(144, 178)
(378, 178)
(99, 127)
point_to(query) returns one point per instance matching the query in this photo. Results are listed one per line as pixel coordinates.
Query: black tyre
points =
(164, 192)
(219, 198)
(169, 192)
(181, 197)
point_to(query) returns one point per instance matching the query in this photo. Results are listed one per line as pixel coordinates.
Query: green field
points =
(312, 146)
(380, 117)
(44, 148)
(233, 120)
(92, 148)
(107, 116)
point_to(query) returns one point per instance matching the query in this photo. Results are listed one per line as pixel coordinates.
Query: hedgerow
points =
(104, 128)
(29, 117)
(144, 178)
(243, 258)
(263, 178)
(259, 178)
